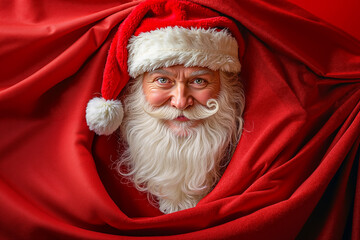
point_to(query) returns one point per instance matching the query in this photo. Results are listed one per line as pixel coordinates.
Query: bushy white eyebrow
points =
(193, 74)
(162, 71)
(201, 72)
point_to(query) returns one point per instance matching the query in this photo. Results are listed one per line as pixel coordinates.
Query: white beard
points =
(178, 170)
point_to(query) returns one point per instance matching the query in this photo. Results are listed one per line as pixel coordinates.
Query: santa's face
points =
(180, 126)
(181, 88)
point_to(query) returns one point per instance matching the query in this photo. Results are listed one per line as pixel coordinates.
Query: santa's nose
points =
(181, 99)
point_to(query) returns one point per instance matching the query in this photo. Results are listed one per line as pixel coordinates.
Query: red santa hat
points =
(160, 33)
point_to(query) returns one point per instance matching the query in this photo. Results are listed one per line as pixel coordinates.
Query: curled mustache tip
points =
(213, 105)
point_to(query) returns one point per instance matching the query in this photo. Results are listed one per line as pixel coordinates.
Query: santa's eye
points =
(162, 80)
(199, 81)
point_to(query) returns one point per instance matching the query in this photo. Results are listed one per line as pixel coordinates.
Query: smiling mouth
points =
(182, 119)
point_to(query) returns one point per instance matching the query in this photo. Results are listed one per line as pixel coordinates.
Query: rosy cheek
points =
(157, 98)
(203, 96)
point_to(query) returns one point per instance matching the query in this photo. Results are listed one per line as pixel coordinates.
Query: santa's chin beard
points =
(177, 165)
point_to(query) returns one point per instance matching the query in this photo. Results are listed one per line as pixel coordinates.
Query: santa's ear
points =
(104, 116)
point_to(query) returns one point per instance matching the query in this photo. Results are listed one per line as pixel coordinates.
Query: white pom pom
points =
(104, 116)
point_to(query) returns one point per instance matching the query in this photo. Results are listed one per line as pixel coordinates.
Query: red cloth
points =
(295, 172)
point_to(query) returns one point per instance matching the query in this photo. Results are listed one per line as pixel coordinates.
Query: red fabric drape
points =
(295, 172)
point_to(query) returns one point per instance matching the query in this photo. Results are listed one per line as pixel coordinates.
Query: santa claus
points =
(182, 111)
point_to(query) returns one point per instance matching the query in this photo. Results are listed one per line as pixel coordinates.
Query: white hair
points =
(178, 171)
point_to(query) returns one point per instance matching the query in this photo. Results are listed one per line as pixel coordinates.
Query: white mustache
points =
(196, 112)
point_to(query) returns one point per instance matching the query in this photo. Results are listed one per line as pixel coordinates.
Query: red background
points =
(343, 14)
(295, 173)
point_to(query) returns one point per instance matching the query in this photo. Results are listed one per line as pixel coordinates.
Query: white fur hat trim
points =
(104, 116)
(165, 47)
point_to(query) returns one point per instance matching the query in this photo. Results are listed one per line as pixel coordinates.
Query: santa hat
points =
(161, 33)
